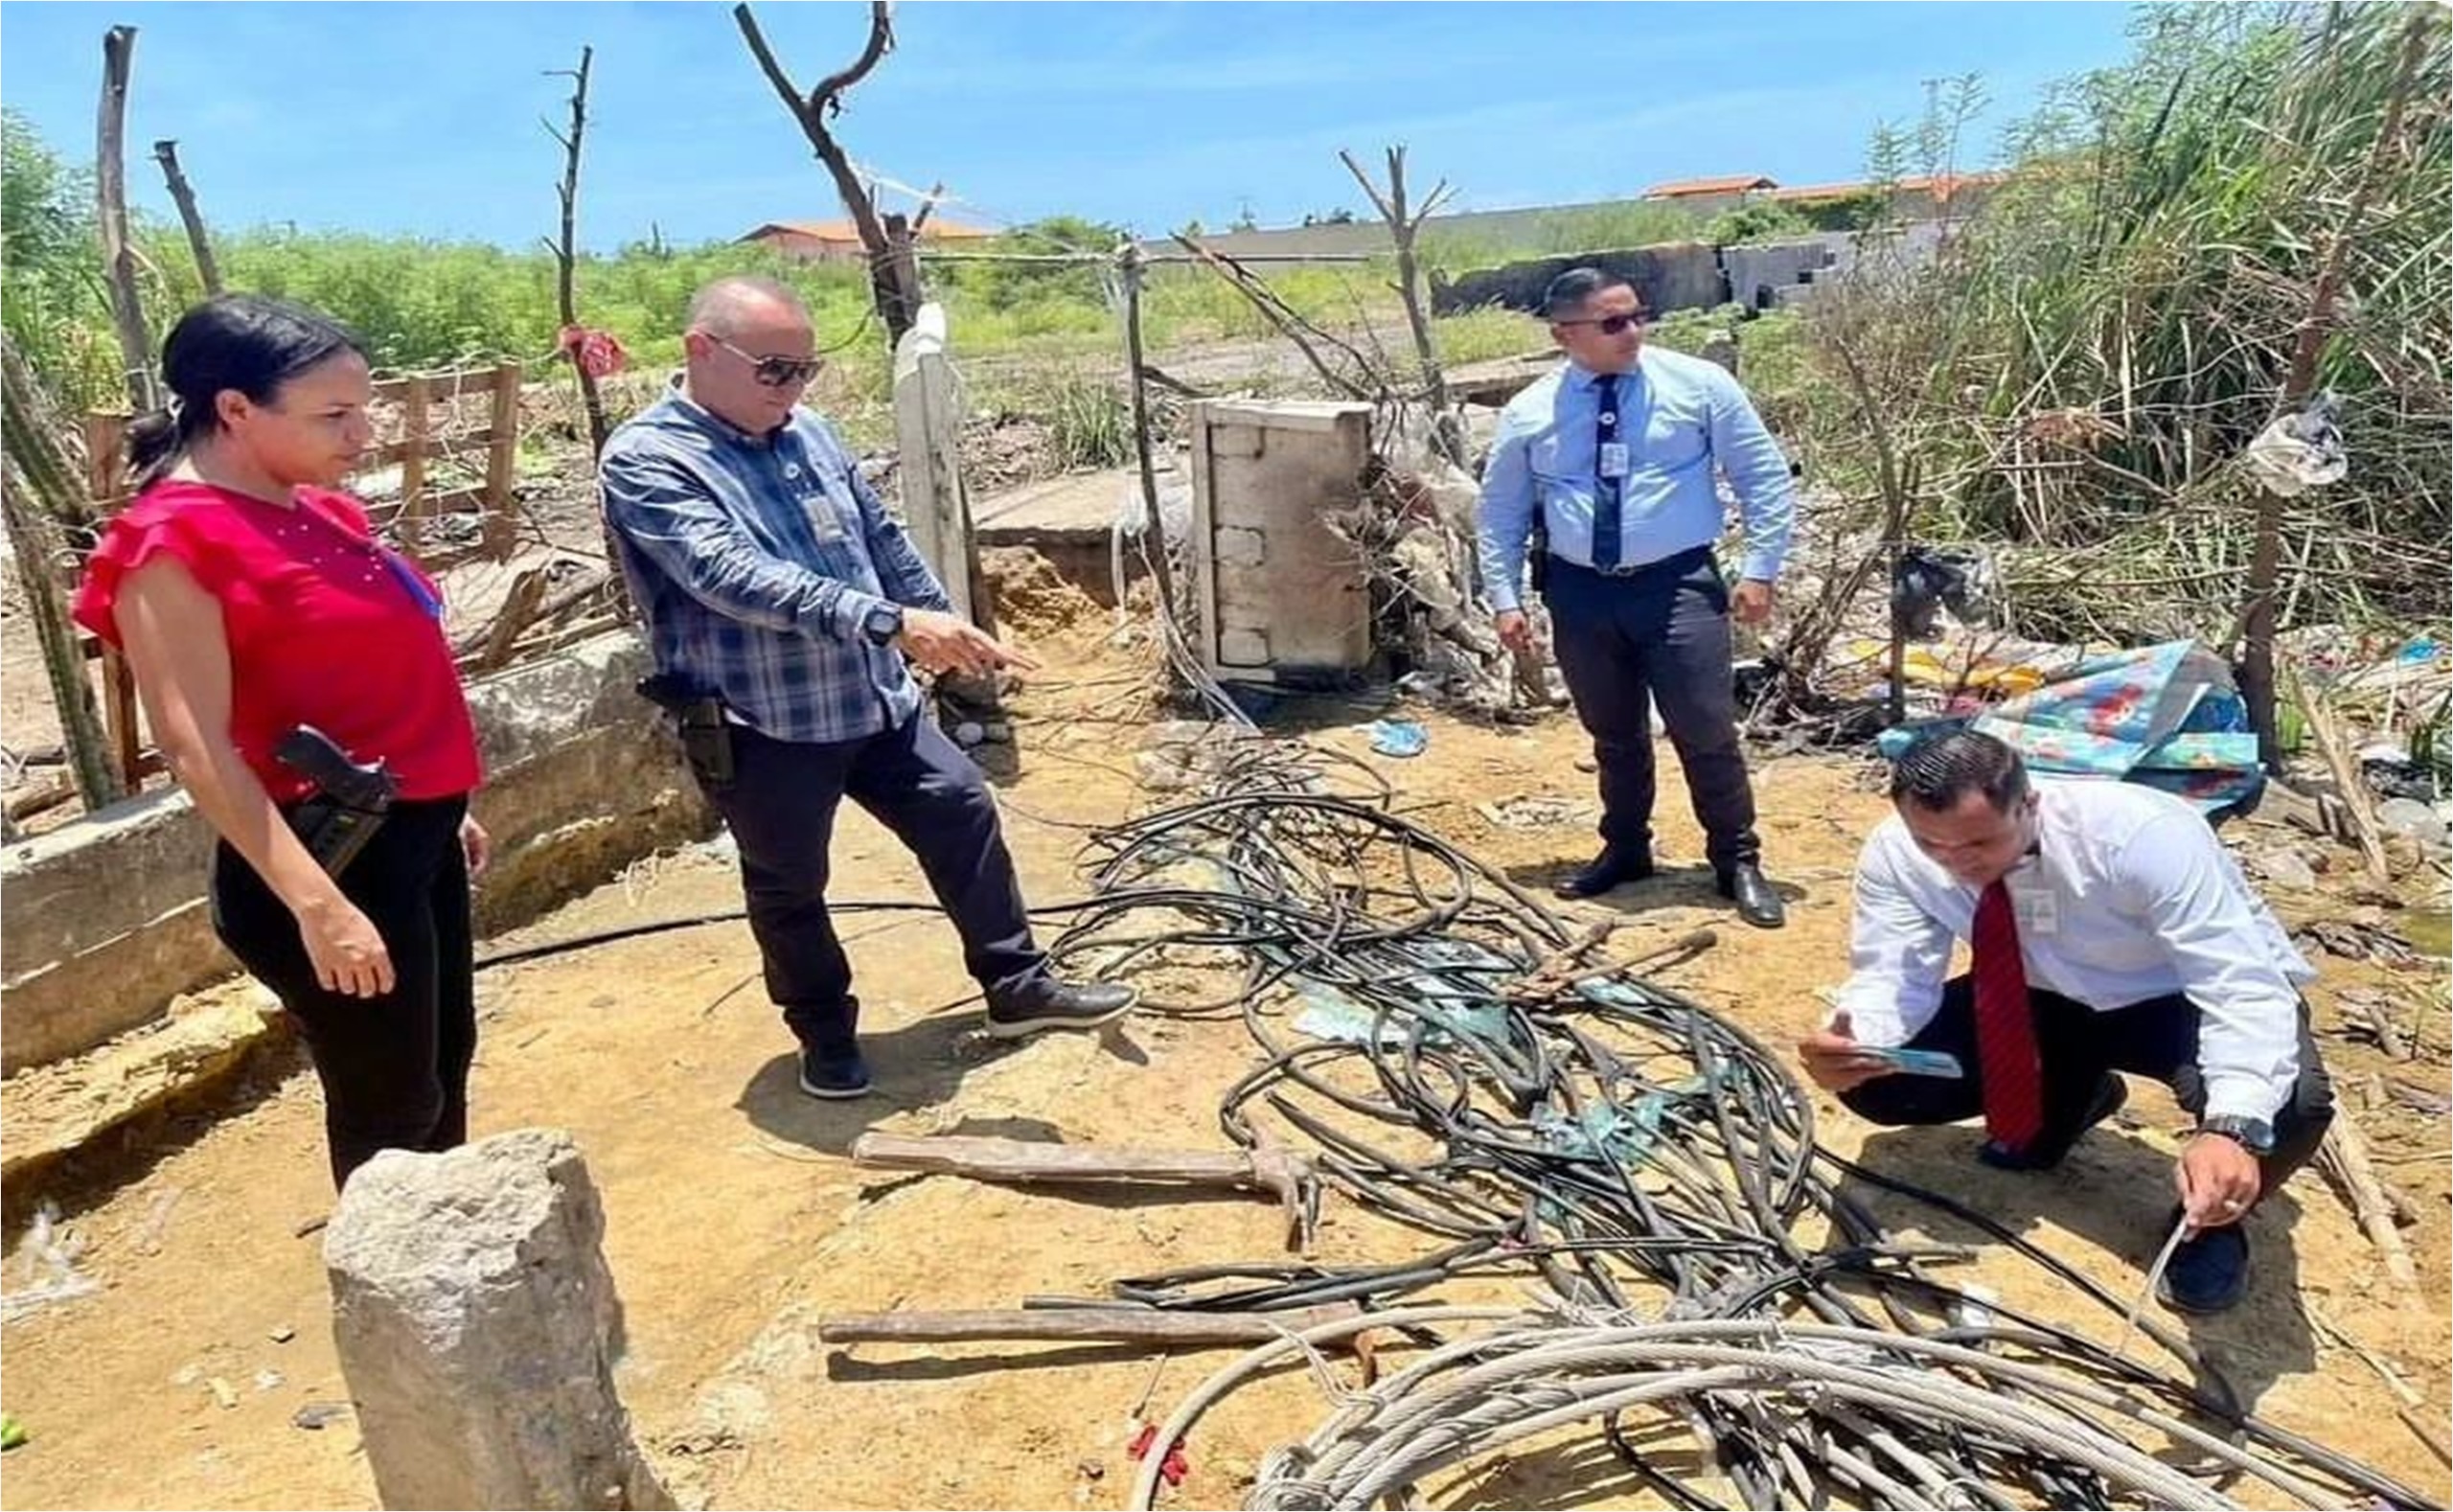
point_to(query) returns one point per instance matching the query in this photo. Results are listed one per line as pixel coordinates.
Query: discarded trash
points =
(1399, 737)
(268, 1380)
(1173, 1467)
(47, 1262)
(2302, 451)
(1930, 579)
(2164, 716)
(1529, 811)
(11, 1431)
(222, 1392)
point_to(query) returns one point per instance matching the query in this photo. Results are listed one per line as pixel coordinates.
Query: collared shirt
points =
(1678, 416)
(758, 561)
(2128, 896)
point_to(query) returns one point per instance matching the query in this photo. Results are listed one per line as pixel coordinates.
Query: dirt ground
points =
(735, 1221)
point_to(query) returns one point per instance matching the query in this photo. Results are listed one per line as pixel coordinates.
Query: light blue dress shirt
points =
(1679, 416)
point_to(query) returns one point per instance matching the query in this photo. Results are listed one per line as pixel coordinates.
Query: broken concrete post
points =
(479, 1326)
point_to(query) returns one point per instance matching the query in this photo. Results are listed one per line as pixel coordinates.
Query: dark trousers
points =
(917, 783)
(2157, 1038)
(395, 1068)
(1660, 634)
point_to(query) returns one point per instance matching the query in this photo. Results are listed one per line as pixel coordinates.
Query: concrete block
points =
(1241, 547)
(1243, 647)
(477, 1327)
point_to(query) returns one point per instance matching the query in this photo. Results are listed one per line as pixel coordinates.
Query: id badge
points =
(2037, 912)
(1614, 459)
(823, 518)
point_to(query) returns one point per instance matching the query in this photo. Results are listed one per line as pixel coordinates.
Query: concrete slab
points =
(1070, 508)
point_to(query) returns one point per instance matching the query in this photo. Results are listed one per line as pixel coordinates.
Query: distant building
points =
(1914, 197)
(1710, 195)
(840, 240)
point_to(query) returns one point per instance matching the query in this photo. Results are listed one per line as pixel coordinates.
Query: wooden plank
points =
(501, 458)
(119, 715)
(1079, 1324)
(415, 440)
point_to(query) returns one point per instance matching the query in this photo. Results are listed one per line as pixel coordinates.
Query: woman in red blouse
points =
(251, 599)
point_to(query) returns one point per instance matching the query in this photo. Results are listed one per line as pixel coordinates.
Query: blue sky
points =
(422, 118)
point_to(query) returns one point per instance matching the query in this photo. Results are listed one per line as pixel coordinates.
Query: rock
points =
(477, 1327)
(2418, 821)
(282, 1335)
(2286, 870)
(315, 1414)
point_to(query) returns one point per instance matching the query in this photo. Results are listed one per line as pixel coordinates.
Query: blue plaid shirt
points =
(758, 561)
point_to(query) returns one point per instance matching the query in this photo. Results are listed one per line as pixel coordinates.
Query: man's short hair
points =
(718, 307)
(1573, 290)
(1938, 770)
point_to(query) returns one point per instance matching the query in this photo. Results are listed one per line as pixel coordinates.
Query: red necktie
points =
(2006, 1050)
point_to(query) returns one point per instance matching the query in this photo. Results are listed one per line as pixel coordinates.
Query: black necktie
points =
(1605, 481)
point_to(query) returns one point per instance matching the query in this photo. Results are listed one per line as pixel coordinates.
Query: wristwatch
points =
(882, 624)
(2254, 1134)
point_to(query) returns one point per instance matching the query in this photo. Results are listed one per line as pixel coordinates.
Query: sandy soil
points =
(735, 1219)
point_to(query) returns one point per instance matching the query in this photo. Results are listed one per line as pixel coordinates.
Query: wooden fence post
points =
(502, 455)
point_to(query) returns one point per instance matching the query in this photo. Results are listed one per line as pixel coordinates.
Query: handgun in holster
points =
(349, 801)
(699, 719)
(1537, 552)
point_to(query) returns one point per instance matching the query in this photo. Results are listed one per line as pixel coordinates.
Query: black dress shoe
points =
(2209, 1273)
(2110, 1094)
(1615, 865)
(1756, 903)
(1059, 1005)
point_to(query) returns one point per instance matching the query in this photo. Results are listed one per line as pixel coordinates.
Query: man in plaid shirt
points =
(785, 606)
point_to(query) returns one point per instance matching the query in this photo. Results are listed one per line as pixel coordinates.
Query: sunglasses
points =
(1609, 325)
(775, 372)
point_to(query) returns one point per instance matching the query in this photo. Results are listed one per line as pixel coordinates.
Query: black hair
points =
(1936, 772)
(1570, 291)
(246, 343)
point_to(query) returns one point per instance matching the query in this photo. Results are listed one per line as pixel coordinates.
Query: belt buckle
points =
(1622, 570)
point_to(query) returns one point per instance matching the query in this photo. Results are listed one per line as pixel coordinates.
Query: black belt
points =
(1680, 563)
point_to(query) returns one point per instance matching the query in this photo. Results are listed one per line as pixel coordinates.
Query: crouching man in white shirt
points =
(2110, 931)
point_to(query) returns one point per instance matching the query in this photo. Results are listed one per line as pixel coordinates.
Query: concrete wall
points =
(105, 920)
(1681, 275)
(1281, 598)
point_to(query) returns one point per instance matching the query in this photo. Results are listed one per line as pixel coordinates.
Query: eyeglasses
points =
(774, 372)
(1608, 325)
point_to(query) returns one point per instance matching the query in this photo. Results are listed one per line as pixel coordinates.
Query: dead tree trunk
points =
(2265, 557)
(42, 490)
(813, 111)
(111, 188)
(566, 251)
(566, 294)
(167, 153)
(1447, 433)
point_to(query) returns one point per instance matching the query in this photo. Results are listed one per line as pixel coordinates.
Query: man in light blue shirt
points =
(1610, 463)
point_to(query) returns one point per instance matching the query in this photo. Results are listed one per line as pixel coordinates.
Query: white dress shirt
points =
(2128, 896)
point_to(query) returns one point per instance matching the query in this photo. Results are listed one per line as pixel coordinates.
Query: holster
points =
(1537, 553)
(699, 719)
(332, 832)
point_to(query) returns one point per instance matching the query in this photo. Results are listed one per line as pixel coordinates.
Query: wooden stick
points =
(2343, 1158)
(183, 195)
(110, 189)
(2388, 1032)
(1269, 1168)
(2338, 760)
(1139, 1325)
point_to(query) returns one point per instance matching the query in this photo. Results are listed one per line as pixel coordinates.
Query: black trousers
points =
(916, 782)
(395, 1068)
(1660, 634)
(2157, 1038)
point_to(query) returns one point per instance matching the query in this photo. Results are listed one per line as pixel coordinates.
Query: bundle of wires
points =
(1647, 1162)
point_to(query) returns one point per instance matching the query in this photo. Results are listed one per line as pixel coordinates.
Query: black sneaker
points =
(2110, 1095)
(838, 1074)
(1060, 1005)
(2209, 1273)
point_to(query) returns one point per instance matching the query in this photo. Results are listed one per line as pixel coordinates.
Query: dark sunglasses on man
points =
(775, 372)
(1609, 325)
